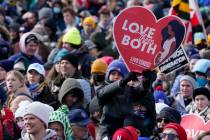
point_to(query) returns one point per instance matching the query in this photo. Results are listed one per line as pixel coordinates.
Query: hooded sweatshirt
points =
(32, 59)
(51, 135)
(68, 85)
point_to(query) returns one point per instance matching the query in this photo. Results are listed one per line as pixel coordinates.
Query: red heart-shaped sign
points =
(194, 125)
(143, 41)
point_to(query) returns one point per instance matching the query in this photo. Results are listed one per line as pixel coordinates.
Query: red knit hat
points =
(179, 129)
(126, 133)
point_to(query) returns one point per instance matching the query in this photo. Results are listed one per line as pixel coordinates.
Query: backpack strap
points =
(24, 94)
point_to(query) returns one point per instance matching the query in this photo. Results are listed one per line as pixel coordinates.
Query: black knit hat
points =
(72, 58)
(171, 114)
(201, 91)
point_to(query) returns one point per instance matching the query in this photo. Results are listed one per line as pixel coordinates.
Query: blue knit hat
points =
(116, 65)
(160, 96)
(59, 55)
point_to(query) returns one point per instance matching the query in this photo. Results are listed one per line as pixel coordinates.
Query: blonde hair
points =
(17, 74)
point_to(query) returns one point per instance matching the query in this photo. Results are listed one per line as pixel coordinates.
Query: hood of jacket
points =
(23, 40)
(67, 86)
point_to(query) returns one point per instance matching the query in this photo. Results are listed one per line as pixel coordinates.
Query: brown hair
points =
(70, 10)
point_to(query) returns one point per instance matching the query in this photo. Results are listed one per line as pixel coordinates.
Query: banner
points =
(144, 42)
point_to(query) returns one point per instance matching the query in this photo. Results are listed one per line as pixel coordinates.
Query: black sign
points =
(177, 60)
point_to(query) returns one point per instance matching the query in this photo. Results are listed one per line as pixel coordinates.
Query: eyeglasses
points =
(163, 119)
(170, 136)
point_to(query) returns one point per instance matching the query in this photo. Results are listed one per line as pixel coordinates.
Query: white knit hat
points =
(40, 110)
(21, 108)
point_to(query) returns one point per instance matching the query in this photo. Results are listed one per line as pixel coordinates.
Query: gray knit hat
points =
(190, 79)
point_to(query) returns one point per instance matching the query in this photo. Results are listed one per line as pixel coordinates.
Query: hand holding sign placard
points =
(194, 125)
(144, 42)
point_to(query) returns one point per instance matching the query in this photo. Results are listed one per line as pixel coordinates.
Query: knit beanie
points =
(160, 96)
(125, 134)
(179, 129)
(21, 108)
(201, 66)
(72, 37)
(45, 13)
(90, 21)
(107, 59)
(116, 65)
(59, 55)
(159, 107)
(201, 91)
(170, 114)
(40, 110)
(190, 79)
(72, 58)
(61, 116)
(99, 66)
(68, 85)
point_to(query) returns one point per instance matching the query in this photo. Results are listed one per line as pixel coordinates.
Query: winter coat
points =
(8, 128)
(42, 94)
(116, 105)
(205, 113)
(10, 62)
(179, 98)
(51, 135)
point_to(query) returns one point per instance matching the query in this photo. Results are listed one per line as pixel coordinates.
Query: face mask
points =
(56, 10)
(21, 125)
(99, 78)
(201, 82)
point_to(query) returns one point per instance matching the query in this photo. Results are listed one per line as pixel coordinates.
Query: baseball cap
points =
(78, 117)
(37, 67)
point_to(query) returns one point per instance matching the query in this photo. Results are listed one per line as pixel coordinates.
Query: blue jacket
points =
(10, 62)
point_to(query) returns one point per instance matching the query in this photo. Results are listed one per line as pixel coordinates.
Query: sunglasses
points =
(170, 136)
(163, 119)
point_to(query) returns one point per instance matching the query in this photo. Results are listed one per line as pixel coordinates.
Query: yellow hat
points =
(89, 20)
(72, 37)
(99, 66)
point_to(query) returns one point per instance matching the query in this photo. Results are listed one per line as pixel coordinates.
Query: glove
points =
(149, 77)
(131, 76)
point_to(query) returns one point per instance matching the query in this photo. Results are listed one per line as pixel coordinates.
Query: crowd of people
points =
(62, 78)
